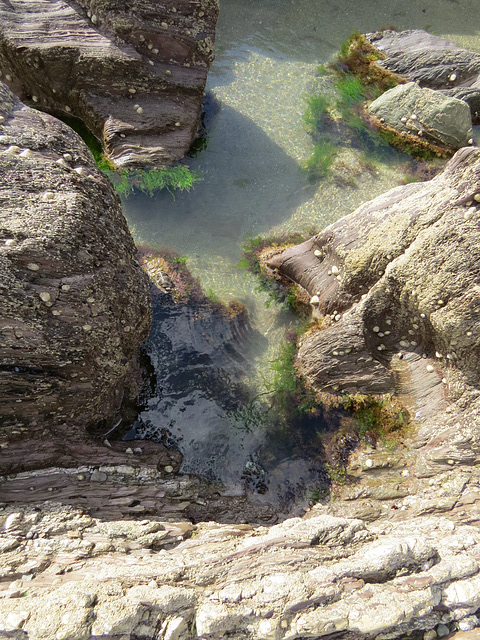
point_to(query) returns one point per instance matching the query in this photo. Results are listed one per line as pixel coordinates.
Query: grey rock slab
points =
(423, 112)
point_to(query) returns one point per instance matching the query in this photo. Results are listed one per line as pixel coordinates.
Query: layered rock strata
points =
(397, 284)
(133, 72)
(68, 574)
(74, 304)
(432, 62)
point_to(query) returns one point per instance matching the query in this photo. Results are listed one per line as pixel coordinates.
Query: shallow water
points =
(267, 55)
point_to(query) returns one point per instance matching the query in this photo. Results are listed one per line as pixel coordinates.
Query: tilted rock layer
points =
(398, 282)
(74, 303)
(133, 71)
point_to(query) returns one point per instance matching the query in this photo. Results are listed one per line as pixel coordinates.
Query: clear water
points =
(267, 55)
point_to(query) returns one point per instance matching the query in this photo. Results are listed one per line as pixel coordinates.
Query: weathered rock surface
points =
(436, 118)
(134, 72)
(75, 305)
(398, 283)
(69, 574)
(432, 62)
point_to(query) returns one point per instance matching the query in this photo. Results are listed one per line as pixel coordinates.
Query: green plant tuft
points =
(151, 181)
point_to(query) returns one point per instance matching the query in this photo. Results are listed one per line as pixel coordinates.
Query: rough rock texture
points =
(437, 118)
(69, 574)
(432, 62)
(398, 282)
(75, 305)
(133, 71)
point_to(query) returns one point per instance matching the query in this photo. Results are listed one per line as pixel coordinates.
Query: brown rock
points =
(130, 70)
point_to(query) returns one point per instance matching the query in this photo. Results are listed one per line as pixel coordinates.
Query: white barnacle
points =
(477, 197)
(168, 72)
(45, 296)
(388, 321)
(440, 302)
(26, 153)
(452, 77)
(334, 353)
(132, 90)
(155, 51)
(8, 77)
(31, 266)
(430, 368)
(314, 300)
(334, 270)
(150, 46)
(94, 19)
(2, 119)
(470, 141)
(67, 108)
(140, 110)
(177, 124)
(68, 157)
(317, 253)
(87, 327)
(376, 329)
(48, 195)
(35, 98)
(413, 116)
(164, 25)
(13, 149)
(404, 119)
(438, 354)
(80, 170)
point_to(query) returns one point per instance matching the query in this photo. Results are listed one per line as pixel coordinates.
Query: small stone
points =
(430, 635)
(164, 25)
(140, 110)
(442, 630)
(317, 253)
(98, 476)
(87, 327)
(32, 266)
(16, 620)
(438, 354)
(45, 296)
(334, 270)
(422, 315)
(369, 463)
(314, 300)
(177, 124)
(430, 368)
(376, 329)
(334, 353)
(168, 468)
(452, 77)
(468, 624)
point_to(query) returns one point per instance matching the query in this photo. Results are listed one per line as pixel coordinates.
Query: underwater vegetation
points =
(151, 181)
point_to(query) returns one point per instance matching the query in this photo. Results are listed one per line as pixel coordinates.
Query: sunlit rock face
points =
(134, 72)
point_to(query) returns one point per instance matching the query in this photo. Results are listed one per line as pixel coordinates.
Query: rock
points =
(432, 62)
(438, 119)
(412, 270)
(67, 357)
(88, 59)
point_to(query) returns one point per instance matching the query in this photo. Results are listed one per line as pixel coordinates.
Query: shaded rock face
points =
(398, 283)
(436, 118)
(432, 62)
(74, 303)
(134, 72)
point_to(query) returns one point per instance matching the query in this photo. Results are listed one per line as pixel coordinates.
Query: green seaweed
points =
(152, 181)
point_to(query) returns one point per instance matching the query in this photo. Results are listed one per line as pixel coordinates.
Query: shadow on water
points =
(249, 185)
(203, 404)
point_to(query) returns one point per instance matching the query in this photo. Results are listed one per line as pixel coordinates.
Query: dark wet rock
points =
(436, 118)
(432, 62)
(397, 283)
(75, 305)
(134, 72)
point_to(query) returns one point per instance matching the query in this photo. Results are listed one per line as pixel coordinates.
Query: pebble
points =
(317, 253)
(452, 77)
(32, 266)
(430, 635)
(442, 630)
(168, 468)
(314, 300)
(468, 623)
(98, 476)
(430, 368)
(369, 463)
(334, 270)
(376, 329)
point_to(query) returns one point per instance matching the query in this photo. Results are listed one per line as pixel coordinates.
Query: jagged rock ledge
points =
(75, 304)
(134, 72)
